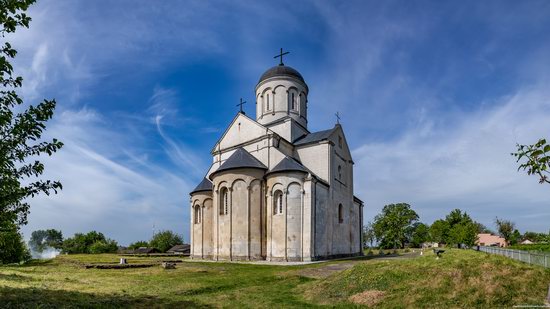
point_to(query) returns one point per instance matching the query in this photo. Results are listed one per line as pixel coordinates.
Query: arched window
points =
(340, 141)
(293, 101)
(340, 213)
(267, 100)
(224, 201)
(340, 172)
(278, 203)
(197, 214)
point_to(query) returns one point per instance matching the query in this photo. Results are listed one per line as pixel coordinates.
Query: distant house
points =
(184, 249)
(527, 242)
(486, 239)
(145, 250)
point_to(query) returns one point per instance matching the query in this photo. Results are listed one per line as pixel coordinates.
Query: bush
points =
(138, 244)
(82, 243)
(12, 246)
(108, 246)
(165, 240)
(532, 247)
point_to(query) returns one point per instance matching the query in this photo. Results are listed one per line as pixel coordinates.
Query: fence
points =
(520, 255)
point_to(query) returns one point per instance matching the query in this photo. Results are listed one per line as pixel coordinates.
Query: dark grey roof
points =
(281, 70)
(288, 164)
(239, 159)
(205, 185)
(314, 137)
(145, 250)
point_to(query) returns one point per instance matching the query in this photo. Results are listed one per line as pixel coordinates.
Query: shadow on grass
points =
(44, 298)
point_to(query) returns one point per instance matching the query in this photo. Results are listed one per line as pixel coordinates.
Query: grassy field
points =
(459, 279)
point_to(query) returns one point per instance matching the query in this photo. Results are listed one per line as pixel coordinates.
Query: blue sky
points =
(433, 98)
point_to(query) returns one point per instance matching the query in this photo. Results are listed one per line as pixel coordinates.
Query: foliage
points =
(515, 238)
(42, 239)
(165, 240)
(20, 133)
(12, 246)
(462, 229)
(536, 237)
(457, 228)
(420, 234)
(463, 233)
(439, 230)
(505, 228)
(107, 246)
(483, 229)
(92, 242)
(138, 244)
(538, 159)
(531, 247)
(368, 235)
(393, 224)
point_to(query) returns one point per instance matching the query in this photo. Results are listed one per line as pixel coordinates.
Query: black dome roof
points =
(281, 70)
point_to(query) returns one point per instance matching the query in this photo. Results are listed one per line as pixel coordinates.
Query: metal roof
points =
(240, 159)
(281, 70)
(314, 137)
(288, 164)
(205, 185)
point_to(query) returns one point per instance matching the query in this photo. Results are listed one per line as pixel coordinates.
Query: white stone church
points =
(275, 190)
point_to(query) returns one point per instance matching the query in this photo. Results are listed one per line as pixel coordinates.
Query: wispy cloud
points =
(104, 188)
(466, 165)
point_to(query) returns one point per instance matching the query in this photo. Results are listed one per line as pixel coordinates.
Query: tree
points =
(103, 246)
(42, 239)
(12, 246)
(505, 228)
(20, 133)
(461, 229)
(536, 237)
(439, 231)
(138, 244)
(515, 238)
(464, 233)
(482, 229)
(421, 234)
(391, 226)
(82, 243)
(538, 159)
(165, 240)
(368, 235)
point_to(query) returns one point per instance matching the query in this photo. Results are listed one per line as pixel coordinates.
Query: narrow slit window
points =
(340, 213)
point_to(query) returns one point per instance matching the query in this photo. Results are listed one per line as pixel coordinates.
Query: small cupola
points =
(281, 92)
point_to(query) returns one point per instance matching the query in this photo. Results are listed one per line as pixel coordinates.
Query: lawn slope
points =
(462, 278)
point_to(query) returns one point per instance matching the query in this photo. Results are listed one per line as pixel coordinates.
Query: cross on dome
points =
(280, 55)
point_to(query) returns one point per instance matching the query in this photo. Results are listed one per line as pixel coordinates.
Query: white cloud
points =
(103, 188)
(464, 165)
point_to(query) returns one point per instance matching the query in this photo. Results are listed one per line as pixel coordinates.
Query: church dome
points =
(281, 70)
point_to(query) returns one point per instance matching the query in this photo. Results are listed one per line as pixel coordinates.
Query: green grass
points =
(460, 279)
(533, 247)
